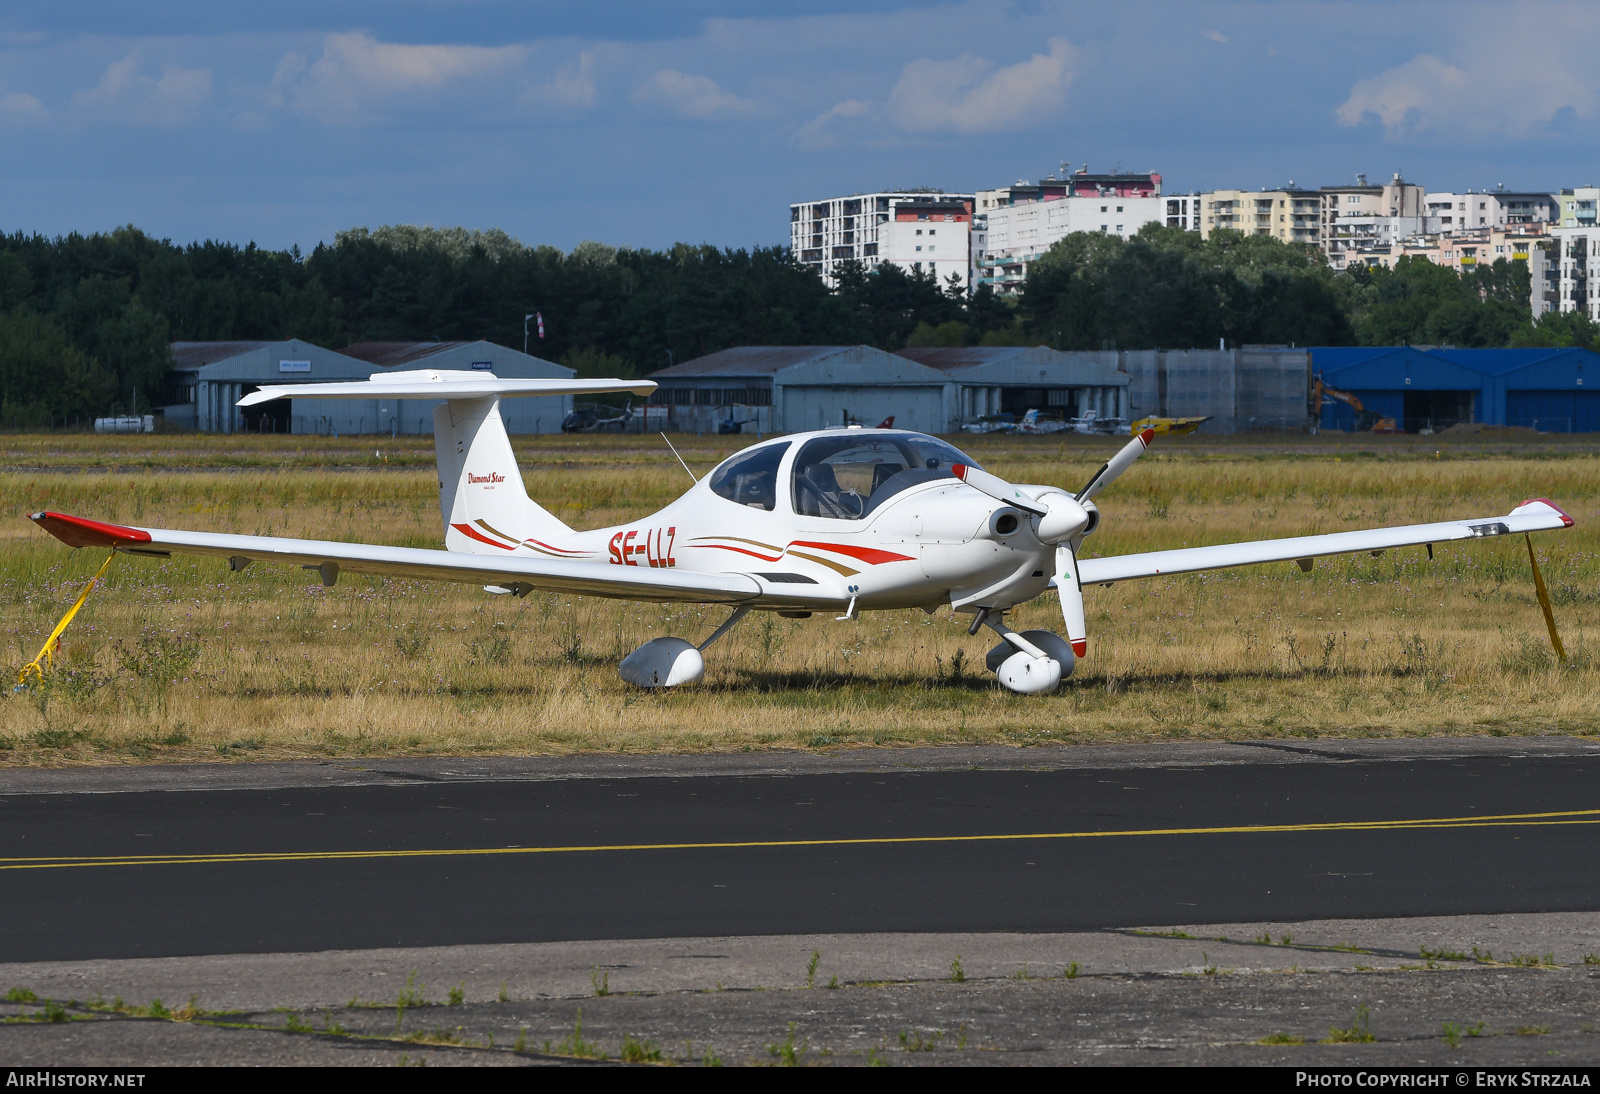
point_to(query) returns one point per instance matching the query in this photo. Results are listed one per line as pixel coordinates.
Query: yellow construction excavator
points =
(1366, 420)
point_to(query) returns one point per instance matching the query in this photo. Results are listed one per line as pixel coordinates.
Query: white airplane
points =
(838, 520)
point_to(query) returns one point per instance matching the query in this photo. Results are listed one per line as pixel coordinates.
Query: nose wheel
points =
(1030, 663)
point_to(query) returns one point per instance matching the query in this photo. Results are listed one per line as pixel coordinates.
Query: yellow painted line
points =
(1568, 817)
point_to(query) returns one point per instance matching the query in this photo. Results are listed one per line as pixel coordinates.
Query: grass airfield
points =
(181, 660)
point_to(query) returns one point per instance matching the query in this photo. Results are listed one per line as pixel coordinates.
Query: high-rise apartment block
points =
(1365, 219)
(1016, 224)
(1568, 277)
(925, 231)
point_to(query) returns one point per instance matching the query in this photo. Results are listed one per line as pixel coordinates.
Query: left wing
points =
(1536, 515)
(331, 558)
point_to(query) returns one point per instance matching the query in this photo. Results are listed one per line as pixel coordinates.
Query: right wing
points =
(1536, 515)
(333, 558)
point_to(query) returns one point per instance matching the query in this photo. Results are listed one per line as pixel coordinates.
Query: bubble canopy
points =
(846, 477)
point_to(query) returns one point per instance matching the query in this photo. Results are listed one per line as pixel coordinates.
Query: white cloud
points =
(692, 96)
(126, 93)
(818, 133)
(17, 106)
(1512, 82)
(1217, 36)
(573, 85)
(968, 95)
(357, 74)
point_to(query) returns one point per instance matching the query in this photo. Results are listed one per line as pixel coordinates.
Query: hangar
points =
(1433, 388)
(787, 389)
(207, 379)
(1015, 379)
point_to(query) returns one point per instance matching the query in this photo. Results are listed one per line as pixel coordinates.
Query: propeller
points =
(1112, 468)
(1062, 518)
(997, 488)
(1070, 589)
(1060, 515)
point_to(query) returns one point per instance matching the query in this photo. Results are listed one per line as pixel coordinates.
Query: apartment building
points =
(1574, 254)
(1183, 211)
(1292, 214)
(1577, 206)
(1016, 224)
(1461, 252)
(1449, 212)
(1366, 219)
(924, 230)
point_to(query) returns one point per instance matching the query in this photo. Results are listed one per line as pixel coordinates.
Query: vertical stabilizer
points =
(485, 506)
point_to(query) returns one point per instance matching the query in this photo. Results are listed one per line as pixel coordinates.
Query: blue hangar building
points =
(1551, 390)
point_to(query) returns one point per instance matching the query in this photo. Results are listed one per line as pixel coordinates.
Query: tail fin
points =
(486, 508)
(482, 498)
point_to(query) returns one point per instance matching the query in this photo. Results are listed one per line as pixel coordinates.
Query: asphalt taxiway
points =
(231, 859)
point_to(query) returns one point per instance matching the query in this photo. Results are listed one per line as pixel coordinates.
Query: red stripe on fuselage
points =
(870, 555)
(466, 530)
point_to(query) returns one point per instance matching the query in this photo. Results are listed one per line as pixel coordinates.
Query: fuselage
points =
(820, 519)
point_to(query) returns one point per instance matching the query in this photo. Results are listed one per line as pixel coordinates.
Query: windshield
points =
(751, 477)
(848, 477)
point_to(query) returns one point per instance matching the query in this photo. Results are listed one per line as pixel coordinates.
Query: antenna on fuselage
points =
(680, 458)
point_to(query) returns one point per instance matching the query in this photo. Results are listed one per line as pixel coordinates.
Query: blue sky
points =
(642, 124)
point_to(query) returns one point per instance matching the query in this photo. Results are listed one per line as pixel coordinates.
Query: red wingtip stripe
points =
(1566, 521)
(1080, 647)
(82, 532)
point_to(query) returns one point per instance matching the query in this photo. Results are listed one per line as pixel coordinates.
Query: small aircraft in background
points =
(1175, 427)
(840, 520)
(599, 419)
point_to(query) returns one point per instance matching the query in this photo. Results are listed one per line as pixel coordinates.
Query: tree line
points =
(86, 320)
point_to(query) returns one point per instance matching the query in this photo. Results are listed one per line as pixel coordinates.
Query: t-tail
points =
(482, 498)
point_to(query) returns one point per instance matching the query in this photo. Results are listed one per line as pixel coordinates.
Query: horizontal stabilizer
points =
(444, 384)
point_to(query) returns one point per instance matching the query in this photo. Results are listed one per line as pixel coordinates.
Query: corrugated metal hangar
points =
(1016, 379)
(933, 390)
(1433, 389)
(786, 389)
(208, 378)
(1248, 388)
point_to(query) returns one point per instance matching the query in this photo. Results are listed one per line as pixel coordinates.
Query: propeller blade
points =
(996, 487)
(1116, 465)
(1071, 591)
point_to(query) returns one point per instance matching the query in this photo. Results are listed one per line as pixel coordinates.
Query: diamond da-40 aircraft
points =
(838, 520)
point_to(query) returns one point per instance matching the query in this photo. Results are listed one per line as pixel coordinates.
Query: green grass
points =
(183, 660)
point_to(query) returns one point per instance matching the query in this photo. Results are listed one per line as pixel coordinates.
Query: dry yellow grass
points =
(183, 660)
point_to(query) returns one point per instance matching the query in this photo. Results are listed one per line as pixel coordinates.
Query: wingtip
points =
(83, 532)
(1566, 520)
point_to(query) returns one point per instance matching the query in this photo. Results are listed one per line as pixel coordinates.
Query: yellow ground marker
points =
(1544, 601)
(1575, 816)
(33, 670)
